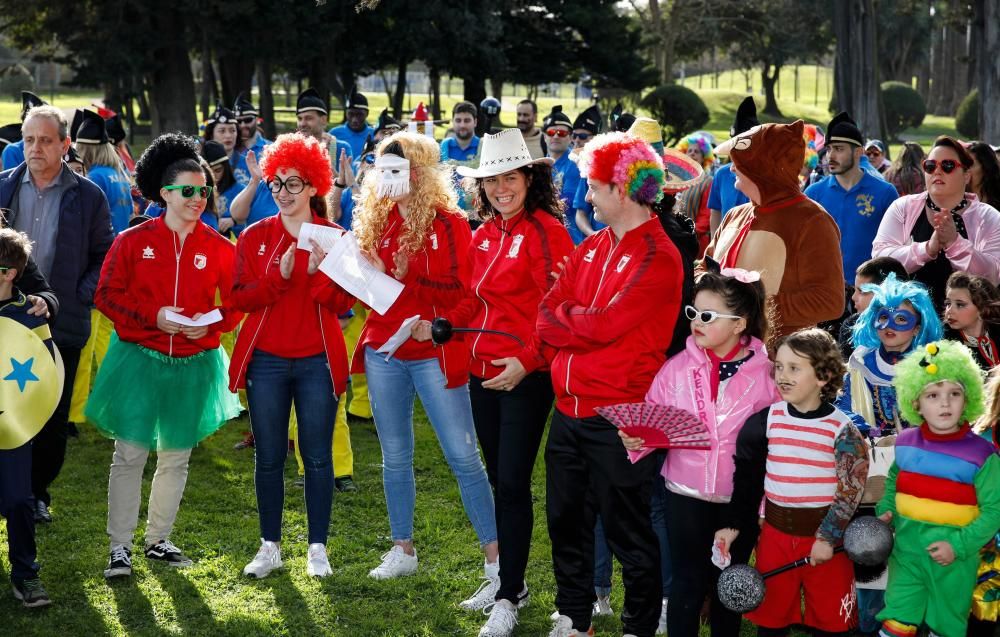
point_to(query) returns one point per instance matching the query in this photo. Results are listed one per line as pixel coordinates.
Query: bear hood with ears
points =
(771, 156)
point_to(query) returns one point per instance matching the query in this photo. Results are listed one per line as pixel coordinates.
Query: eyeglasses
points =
(188, 191)
(947, 166)
(705, 316)
(4, 268)
(293, 185)
(249, 119)
(557, 132)
(581, 135)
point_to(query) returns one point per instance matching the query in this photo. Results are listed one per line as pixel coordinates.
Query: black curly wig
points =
(167, 156)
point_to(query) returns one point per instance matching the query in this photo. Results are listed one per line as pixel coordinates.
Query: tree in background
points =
(856, 81)
(678, 109)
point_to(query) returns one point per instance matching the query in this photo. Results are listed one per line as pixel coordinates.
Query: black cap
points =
(92, 129)
(72, 156)
(214, 153)
(385, 120)
(116, 130)
(29, 101)
(222, 115)
(310, 100)
(556, 117)
(356, 100)
(10, 134)
(620, 120)
(243, 106)
(746, 117)
(589, 120)
(843, 129)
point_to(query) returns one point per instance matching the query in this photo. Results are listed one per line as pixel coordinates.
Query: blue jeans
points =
(273, 382)
(603, 564)
(392, 385)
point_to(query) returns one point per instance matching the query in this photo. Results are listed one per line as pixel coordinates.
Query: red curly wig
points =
(304, 154)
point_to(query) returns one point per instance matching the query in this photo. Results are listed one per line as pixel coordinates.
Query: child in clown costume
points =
(941, 494)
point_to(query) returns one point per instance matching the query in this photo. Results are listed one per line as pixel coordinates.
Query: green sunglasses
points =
(187, 190)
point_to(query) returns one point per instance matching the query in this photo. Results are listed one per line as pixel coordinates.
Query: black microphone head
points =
(441, 331)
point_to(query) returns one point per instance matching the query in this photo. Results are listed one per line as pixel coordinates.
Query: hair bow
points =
(741, 275)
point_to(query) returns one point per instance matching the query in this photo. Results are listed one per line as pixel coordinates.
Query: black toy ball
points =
(741, 588)
(868, 541)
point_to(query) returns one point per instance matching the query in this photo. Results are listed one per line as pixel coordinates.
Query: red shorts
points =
(830, 599)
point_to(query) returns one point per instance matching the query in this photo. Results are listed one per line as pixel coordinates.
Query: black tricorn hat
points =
(74, 125)
(72, 156)
(10, 134)
(557, 117)
(310, 100)
(843, 129)
(214, 153)
(222, 115)
(29, 101)
(746, 117)
(92, 129)
(116, 130)
(386, 120)
(242, 106)
(356, 100)
(589, 120)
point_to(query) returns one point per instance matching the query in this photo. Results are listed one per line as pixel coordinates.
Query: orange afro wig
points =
(304, 154)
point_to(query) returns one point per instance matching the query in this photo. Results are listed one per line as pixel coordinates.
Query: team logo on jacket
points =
(200, 261)
(260, 251)
(516, 246)
(589, 257)
(485, 245)
(147, 253)
(622, 263)
(434, 241)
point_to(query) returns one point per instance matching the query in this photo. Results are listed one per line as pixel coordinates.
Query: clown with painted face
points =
(899, 319)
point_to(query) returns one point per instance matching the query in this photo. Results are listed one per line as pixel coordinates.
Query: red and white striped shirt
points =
(801, 470)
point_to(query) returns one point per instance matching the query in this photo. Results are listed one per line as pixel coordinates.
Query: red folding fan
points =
(660, 426)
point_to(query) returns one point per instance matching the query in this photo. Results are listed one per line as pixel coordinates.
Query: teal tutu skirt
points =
(160, 402)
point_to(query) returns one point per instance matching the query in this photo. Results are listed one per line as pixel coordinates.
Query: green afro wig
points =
(933, 363)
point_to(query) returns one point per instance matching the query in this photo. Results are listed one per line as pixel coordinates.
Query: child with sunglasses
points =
(899, 318)
(174, 263)
(723, 376)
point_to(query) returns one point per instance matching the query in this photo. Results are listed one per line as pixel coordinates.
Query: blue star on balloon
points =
(21, 373)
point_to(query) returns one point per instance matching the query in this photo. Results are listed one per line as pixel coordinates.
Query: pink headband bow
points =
(741, 275)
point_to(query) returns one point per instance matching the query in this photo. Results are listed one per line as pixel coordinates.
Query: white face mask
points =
(393, 176)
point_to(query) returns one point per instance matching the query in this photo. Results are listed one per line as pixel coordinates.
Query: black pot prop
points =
(442, 331)
(741, 587)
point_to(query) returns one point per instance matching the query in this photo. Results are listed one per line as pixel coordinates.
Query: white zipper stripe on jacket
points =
(177, 276)
(569, 361)
(253, 340)
(479, 285)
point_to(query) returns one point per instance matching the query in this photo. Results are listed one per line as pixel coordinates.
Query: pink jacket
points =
(979, 254)
(683, 382)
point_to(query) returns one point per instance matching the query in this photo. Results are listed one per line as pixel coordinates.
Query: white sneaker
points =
(602, 607)
(661, 628)
(395, 563)
(484, 596)
(317, 563)
(502, 620)
(563, 627)
(267, 559)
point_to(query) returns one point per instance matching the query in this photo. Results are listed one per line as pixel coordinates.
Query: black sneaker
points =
(345, 484)
(120, 563)
(31, 593)
(164, 551)
(42, 514)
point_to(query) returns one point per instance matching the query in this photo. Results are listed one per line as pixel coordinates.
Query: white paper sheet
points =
(325, 236)
(396, 340)
(205, 319)
(345, 264)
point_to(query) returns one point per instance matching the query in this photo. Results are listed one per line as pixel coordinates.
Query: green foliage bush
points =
(904, 108)
(678, 109)
(967, 117)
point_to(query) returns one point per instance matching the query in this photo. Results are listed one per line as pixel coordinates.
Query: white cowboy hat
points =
(502, 153)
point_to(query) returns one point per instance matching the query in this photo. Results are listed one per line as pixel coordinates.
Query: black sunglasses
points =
(294, 185)
(947, 166)
(581, 135)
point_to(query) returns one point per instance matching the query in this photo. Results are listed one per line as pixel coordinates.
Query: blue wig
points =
(892, 293)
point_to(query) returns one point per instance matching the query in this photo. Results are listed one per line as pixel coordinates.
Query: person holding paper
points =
(174, 263)
(513, 261)
(291, 347)
(408, 224)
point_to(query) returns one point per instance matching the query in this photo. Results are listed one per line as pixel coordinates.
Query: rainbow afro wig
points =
(814, 140)
(304, 154)
(892, 293)
(934, 363)
(627, 162)
(702, 143)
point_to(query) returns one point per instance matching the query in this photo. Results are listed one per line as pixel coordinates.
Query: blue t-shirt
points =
(580, 203)
(451, 150)
(724, 196)
(566, 177)
(13, 155)
(858, 213)
(355, 140)
(263, 205)
(346, 209)
(226, 199)
(118, 190)
(208, 218)
(240, 171)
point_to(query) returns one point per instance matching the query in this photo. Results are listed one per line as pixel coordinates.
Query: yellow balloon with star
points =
(30, 384)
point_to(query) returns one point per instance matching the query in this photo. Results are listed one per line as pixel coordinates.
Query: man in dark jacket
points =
(68, 221)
